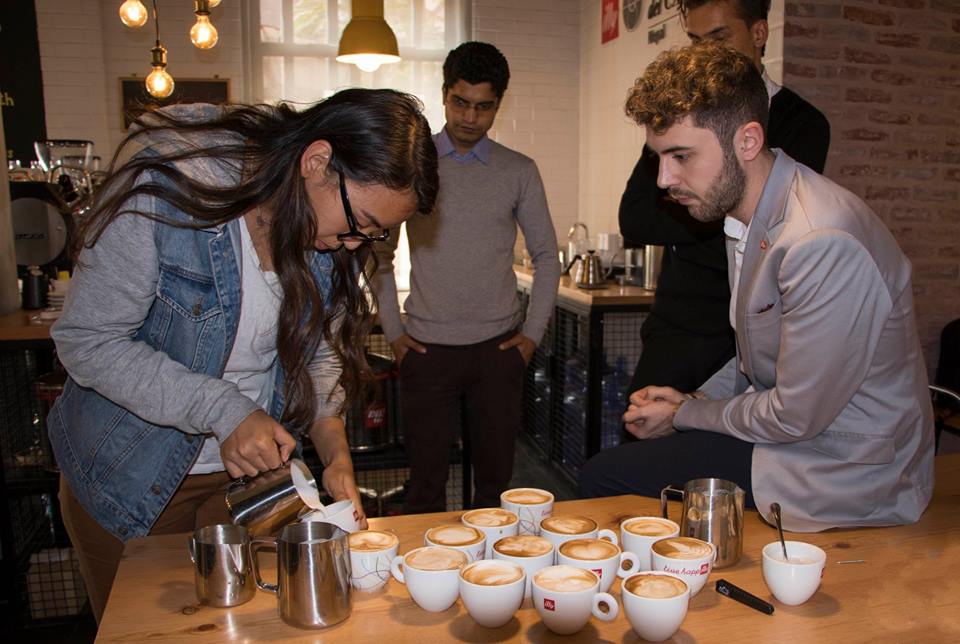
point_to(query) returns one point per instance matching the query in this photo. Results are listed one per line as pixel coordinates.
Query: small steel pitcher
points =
(712, 511)
(313, 574)
(267, 502)
(221, 565)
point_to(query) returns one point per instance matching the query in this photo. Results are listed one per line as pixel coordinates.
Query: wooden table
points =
(907, 590)
(20, 325)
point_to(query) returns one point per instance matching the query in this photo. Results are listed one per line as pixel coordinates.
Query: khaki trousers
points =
(197, 503)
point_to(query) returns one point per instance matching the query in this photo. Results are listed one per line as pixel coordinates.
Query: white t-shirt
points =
(253, 358)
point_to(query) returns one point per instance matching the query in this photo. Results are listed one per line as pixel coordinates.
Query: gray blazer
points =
(839, 409)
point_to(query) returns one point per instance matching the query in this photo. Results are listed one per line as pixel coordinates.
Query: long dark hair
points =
(378, 137)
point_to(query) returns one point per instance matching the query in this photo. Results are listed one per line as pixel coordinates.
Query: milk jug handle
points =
(257, 544)
(663, 498)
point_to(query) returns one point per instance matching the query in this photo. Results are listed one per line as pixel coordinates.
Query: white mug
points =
(530, 563)
(530, 504)
(577, 553)
(694, 570)
(492, 604)
(568, 527)
(565, 607)
(433, 590)
(657, 613)
(795, 581)
(371, 553)
(459, 537)
(640, 543)
(341, 514)
(494, 523)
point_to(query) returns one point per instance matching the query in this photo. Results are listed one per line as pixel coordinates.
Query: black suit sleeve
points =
(799, 129)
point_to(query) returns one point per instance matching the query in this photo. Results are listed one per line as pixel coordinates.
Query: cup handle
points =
(256, 545)
(601, 600)
(663, 499)
(609, 535)
(396, 568)
(628, 557)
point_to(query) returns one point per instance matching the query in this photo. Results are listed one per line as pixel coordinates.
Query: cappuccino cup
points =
(492, 591)
(795, 580)
(599, 556)
(564, 527)
(639, 533)
(458, 536)
(685, 557)
(655, 604)
(530, 504)
(342, 514)
(565, 597)
(432, 576)
(494, 523)
(530, 552)
(371, 552)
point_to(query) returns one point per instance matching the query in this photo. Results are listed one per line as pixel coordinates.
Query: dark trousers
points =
(646, 467)
(487, 382)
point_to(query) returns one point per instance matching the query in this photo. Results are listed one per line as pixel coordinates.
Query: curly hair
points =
(475, 63)
(749, 11)
(719, 87)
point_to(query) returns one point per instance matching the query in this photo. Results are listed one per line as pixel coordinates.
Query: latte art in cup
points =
(490, 517)
(589, 549)
(372, 541)
(569, 524)
(527, 496)
(454, 534)
(650, 527)
(435, 559)
(491, 572)
(524, 545)
(682, 548)
(655, 586)
(565, 579)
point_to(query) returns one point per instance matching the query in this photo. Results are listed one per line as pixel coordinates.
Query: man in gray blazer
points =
(828, 388)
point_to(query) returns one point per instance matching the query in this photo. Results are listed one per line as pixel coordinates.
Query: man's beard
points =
(724, 194)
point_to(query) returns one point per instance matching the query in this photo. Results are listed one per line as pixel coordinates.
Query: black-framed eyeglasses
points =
(355, 233)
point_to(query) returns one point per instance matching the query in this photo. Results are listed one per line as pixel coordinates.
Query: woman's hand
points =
(329, 437)
(258, 444)
(339, 483)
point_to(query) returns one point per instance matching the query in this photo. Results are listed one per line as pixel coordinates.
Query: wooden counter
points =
(22, 326)
(610, 295)
(906, 590)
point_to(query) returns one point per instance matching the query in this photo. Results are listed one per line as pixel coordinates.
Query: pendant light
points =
(133, 13)
(203, 34)
(159, 82)
(368, 41)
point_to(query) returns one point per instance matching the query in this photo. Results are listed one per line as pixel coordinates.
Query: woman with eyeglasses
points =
(219, 308)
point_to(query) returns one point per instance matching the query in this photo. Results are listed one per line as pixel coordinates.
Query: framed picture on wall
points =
(135, 99)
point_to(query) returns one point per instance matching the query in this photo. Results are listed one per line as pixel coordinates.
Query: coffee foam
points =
(655, 586)
(527, 496)
(565, 579)
(589, 549)
(490, 517)
(491, 573)
(524, 545)
(568, 524)
(454, 534)
(649, 527)
(371, 540)
(433, 558)
(682, 548)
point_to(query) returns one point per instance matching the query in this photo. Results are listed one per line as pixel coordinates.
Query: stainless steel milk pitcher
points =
(313, 574)
(221, 565)
(712, 511)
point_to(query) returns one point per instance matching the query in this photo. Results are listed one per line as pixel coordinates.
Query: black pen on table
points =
(724, 587)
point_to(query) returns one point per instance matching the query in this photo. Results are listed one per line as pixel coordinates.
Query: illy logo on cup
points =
(704, 569)
(548, 604)
(356, 515)
(599, 572)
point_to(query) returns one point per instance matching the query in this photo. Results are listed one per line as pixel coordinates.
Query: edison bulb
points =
(203, 34)
(159, 82)
(133, 13)
(368, 64)
(214, 3)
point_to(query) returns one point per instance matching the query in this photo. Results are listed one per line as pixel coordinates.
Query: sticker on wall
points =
(631, 14)
(609, 20)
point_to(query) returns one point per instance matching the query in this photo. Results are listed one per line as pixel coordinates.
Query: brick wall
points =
(887, 75)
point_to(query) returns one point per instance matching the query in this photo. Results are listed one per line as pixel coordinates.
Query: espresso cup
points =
(795, 580)
(564, 527)
(599, 556)
(342, 514)
(638, 534)
(371, 552)
(494, 523)
(468, 540)
(432, 575)
(530, 504)
(685, 557)
(492, 591)
(655, 603)
(530, 552)
(565, 597)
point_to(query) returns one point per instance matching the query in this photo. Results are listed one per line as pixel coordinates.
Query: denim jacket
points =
(149, 323)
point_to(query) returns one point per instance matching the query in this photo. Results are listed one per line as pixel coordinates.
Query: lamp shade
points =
(368, 41)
